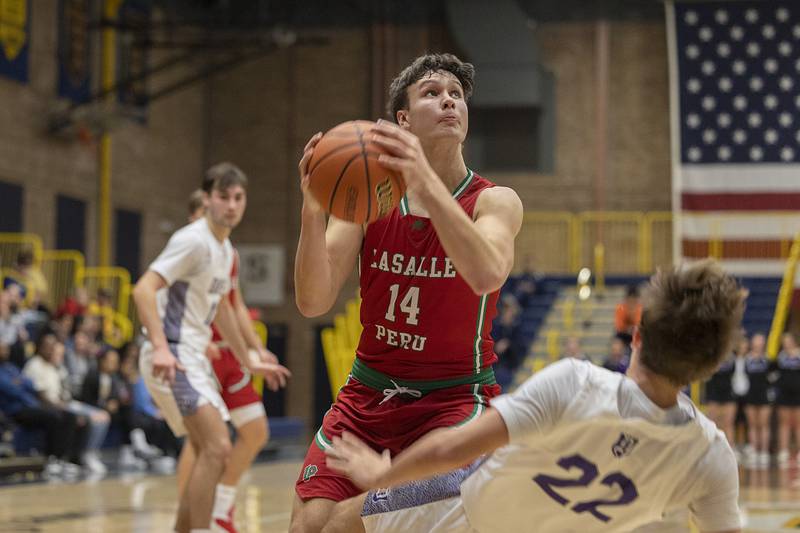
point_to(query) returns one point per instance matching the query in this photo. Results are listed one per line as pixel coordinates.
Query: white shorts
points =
(432, 505)
(246, 414)
(193, 388)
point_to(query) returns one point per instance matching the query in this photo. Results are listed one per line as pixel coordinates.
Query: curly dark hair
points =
(398, 89)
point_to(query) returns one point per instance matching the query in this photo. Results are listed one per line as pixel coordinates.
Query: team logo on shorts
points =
(309, 472)
(624, 445)
(380, 495)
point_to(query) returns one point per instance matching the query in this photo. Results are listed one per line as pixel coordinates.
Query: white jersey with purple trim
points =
(590, 452)
(197, 268)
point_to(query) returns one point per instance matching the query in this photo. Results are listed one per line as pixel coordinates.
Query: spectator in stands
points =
(28, 276)
(103, 310)
(80, 359)
(627, 315)
(12, 330)
(757, 401)
(149, 426)
(740, 384)
(720, 399)
(49, 377)
(92, 326)
(76, 304)
(20, 402)
(788, 397)
(617, 359)
(105, 388)
(526, 282)
(572, 348)
(506, 344)
(62, 327)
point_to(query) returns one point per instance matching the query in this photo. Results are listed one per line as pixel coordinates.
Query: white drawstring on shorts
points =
(391, 393)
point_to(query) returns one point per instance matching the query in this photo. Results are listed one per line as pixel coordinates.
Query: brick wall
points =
(155, 164)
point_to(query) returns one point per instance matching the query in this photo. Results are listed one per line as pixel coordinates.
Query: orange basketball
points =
(346, 178)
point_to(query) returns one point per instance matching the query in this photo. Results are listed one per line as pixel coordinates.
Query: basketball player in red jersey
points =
(430, 273)
(241, 399)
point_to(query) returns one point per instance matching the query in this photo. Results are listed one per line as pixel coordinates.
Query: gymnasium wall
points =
(155, 164)
(638, 175)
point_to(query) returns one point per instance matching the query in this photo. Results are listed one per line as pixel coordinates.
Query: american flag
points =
(735, 75)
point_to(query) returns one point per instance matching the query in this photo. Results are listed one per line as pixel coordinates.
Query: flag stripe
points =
(740, 225)
(739, 249)
(777, 201)
(741, 178)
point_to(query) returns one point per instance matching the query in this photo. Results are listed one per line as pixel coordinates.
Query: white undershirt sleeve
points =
(539, 402)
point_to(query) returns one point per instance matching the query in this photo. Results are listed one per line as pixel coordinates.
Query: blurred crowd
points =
(65, 392)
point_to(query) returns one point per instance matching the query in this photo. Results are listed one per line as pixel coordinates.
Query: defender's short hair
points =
(223, 175)
(691, 317)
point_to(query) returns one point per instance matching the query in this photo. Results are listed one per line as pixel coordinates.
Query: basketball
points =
(346, 178)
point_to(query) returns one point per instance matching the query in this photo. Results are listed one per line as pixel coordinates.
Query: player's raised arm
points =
(325, 257)
(482, 249)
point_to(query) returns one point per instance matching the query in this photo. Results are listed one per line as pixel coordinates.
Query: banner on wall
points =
(262, 270)
(74, 50)
(132, 55)
(14, 39)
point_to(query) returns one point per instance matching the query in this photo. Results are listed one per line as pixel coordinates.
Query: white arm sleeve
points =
(715, 506)
(185, 254)
(539, 402)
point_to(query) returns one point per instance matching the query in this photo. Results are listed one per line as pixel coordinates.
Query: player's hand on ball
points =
(309, 202)
(406, 156)
(351, 457)
(275, 375)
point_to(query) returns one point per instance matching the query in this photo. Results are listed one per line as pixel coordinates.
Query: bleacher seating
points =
(595, 321)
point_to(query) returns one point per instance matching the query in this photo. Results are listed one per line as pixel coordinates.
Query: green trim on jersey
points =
(322, 441)
(459, 190)
(380, 381)
(478, 329)
(477, 407)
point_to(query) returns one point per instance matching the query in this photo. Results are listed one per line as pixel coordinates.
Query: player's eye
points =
(431, 92)
(455, 94)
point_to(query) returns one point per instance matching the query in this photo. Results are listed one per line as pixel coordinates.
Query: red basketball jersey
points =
(421, 320)
(215, 336)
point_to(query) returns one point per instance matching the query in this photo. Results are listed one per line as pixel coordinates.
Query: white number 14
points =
(409, 304)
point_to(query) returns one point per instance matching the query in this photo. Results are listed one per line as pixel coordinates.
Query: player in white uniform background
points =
(177, 299)
(577, 447)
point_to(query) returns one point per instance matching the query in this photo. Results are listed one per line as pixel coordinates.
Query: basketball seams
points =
(329, 153)
(366, 169)
(339, 180)
(335, 167)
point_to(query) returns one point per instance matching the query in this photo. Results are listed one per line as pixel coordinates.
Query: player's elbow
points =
(310, 307)
(487, 281)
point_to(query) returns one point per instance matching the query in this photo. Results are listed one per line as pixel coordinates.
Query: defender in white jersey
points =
(177, 299)
(577, 447)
